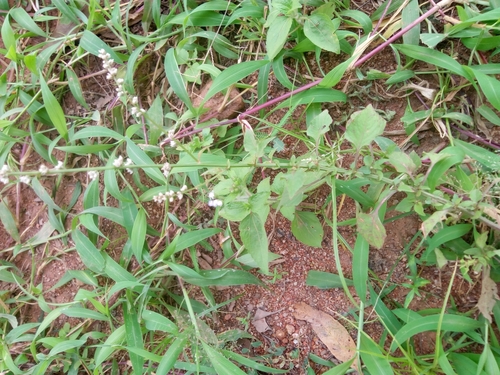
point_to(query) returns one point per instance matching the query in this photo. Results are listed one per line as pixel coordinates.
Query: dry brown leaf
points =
(259, 320)
(489, 295)
(330, 332)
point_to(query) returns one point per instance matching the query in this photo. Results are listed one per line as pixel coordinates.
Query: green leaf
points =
(66, 11)
(319, 125)
(449, 323)
(325, 280)
(373, 358)
(360, 266)
(314, 95)
(433, 57)
(487, 159)
(134, 336)
(89, 254)
(157, 322)
(362, 18)
(410, 13)
(112, 344)
(91, 43)
(371, 228)
(175, 80)
(170, 357)
(222, 365)
(43, 195)
(232, 75)
(433, 220)
(489, 114)
(364, 126)
(83, 313)
(54, 109)
(253, 235)
(139, 157)
(75, 87)
(192, 238)
(8, 221)
(252, 364)
(86, 149)
(138, 235)
(277, 35)
(320, 30)
(307, 228)
(66, 346)
(489, 86)
(26, 21)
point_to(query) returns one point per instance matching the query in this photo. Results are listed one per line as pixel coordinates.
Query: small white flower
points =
(60, 165)
(24, 179)
(179, 195)
(43, 169)
(184, 188)
(215, 203)
(117, 163)
(135, 100)
(129, 162)
(166, 169)
(93, 175)
(160, 198)
(133, 110)
(211, 195)
(120, 81)
(172, 144)
(4, 180)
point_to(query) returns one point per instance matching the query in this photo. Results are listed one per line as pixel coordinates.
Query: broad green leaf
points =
(75, 87)
(449, 323)
(277, 35)
(8, 37)
(232, 75)
(111, 213)
(490, 87)
(410, 13)
(89, 254)
(335, 75)
(138, 235)
(489, 114)
(26, 21)
(325, 280)
(371, 228)
(112, 344)
(307, 228)
(54, 109)
(253, 235)
(175, 80)
(133, 335)
(319, 125)
(222, 365)
(360, 266)
(66, 10)
(170, 357)
(157, 322)
(373, 358)
(362, 18)
(8, 221)
(487, 159)
(364, 126)
(116, 272)
(320, 30)
(139, 157)
(83, 313)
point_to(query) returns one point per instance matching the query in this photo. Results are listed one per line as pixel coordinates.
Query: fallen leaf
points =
(259, 320)
(330, 332)
(489, 295)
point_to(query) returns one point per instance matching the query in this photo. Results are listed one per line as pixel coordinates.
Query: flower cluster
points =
(3, 174)
(170, 195)
(136, 110)
(107, 63)
(212, 202)
(93, 175)
(166, 169)
(170, 137)
(25, 180)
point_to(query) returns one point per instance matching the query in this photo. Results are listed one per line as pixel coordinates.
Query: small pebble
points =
(280, 334)
(290, 329)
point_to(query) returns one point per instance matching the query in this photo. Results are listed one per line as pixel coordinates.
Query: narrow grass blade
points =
(139, 157)
(26, 21)
(490, 87)
(192, 238)
(8, 221)
(116, 272)
(89, 254)
(175, 80)
(138, 235)
(54, 109)
(92, 44)
(172, 354)
(157, 322)
(360, 267)
(222, 365)
(112, 344)
(66, 11)
(325, 280)
(43, 195)
(232, 75)
(64, 346)
(75, 87)
(362, 18)
(134, 336)
(390, 320)
(83, 313)
(410, 13)
(449, 323)
(373, 358)
(252, 364)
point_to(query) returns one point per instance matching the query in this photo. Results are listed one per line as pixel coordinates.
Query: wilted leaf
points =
(330, 332)
(259, 320)
(371, 228)
(489, 295)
